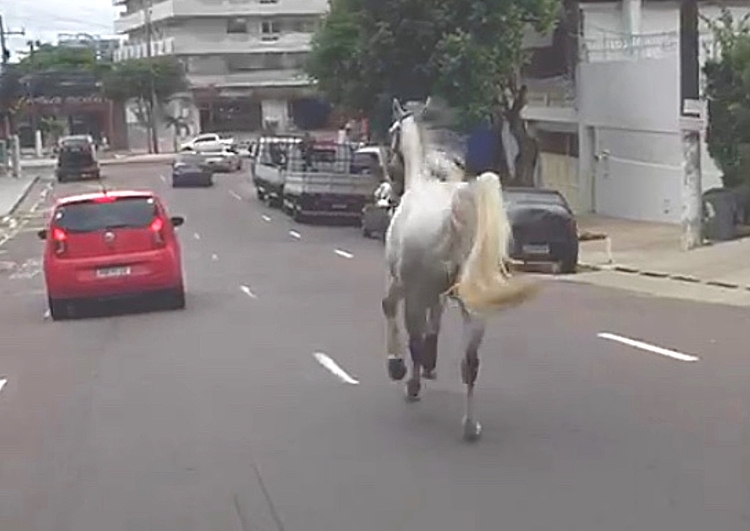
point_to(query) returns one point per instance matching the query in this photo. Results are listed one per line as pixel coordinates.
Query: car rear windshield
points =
(546, 198)
(90, 216)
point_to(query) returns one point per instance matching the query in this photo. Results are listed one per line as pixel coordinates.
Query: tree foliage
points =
(49, 57)
(133, 79)
(728, 92)
(468, 51)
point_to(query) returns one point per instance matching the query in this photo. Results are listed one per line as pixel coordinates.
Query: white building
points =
(609, 126)
(244, 58)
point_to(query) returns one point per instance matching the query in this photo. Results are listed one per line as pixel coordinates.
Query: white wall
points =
(631, 98)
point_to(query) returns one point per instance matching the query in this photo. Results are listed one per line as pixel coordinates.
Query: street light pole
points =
(154, 142)
(692, 119)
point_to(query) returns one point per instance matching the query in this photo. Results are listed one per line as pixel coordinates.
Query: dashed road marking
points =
(648, 347)
(163, 179)
(215, 257)
(295, 234)
(248, 292)
(196, 236)
(265, 218)
(3, 381)
(334, 368)
(47, 314)
(234, 194)
(343, 254)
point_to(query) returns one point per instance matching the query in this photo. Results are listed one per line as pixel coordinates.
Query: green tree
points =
(728, 92)
(467, 51)
(138, 79)
(45, 57)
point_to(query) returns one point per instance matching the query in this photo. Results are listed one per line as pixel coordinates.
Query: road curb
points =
(24, 194)
(584, 267)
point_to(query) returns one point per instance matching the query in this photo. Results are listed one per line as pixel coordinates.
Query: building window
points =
(237, 25)
(270, 30)
(269, 1)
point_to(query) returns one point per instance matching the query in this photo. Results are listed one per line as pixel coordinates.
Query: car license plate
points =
(536, 249)
(111, 272)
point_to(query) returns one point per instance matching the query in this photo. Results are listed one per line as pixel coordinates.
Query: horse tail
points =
(484, 282)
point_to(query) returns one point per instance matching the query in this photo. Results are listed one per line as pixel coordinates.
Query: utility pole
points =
(692, 123)
(152, 92)
(6, 57)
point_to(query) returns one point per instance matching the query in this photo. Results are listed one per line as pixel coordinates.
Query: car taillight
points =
(157, 229)
(59, 237)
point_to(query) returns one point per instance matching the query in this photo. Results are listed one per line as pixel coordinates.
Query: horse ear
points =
(398, 110)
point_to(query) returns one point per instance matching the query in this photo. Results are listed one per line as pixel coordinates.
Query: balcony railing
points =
(261, 78)
(220, 8)
(241, 43)
(139, 51)
(605, 47)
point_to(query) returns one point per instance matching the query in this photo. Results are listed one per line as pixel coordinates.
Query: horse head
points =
(405, 134)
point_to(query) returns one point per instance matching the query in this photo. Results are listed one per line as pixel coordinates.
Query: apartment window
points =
(303, 25)
(237, 25)
(270, 30)
(269, 1)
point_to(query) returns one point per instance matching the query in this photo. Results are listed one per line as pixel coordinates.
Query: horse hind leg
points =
(474, 327)
(394, 344)
(416, 314)
(430, 347)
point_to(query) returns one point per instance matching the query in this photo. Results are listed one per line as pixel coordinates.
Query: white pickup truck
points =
(207, 138)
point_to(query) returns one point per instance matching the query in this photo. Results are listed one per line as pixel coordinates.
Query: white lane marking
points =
(3, 381)
(163, 179)
(215, 257)
(47, 314)
(343, 254)
(196, 236)
(295, 234)
(647, 347)
(247, 292)
(334, 368)
(265, 218)
(12, 223)
(234, 194)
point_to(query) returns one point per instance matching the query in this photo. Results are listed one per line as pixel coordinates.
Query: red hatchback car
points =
(109, 245)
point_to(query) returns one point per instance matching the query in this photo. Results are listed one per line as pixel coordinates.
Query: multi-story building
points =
(244, 58)
(606, 106)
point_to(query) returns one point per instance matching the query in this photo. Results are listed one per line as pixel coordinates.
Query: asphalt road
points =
(219, 417)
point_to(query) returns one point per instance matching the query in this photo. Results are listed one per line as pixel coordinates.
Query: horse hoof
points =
(396, 368)
(472, 430)
(412, 390)
(429, 374)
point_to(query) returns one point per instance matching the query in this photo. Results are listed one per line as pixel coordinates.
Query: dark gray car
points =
(190, 169)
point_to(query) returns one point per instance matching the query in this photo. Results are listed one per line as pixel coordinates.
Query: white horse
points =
(446, 239)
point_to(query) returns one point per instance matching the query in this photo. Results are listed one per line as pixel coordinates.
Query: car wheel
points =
(58, 309)
(569, 263)
(297, 214)
(176, 298)
(365, 232)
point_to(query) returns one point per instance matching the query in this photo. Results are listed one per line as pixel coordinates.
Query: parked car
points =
(190, 169)
(206, 138)
(107, 245)
(376, 217)
(76, 159)
(544, 227)
(220, 157)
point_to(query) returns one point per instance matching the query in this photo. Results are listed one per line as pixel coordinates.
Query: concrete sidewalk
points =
(653, 250)
(13, 191)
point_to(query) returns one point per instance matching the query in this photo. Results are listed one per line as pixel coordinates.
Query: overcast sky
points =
(44, 19)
